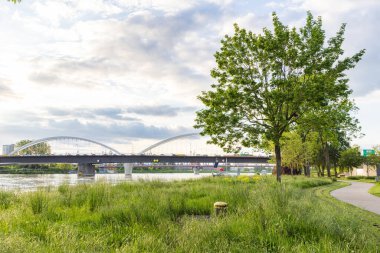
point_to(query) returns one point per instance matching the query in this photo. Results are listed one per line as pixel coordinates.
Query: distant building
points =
(7, 149)
(363, 171)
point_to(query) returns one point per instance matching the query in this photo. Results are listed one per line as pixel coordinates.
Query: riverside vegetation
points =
(263, 216)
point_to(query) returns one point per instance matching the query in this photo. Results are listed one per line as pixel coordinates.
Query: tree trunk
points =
(277, 151)
(306, 165)
(323, 170)
(367, 169)
(327, 159)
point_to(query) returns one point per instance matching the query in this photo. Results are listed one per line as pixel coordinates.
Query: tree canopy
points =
(351, 158)
(266, 83)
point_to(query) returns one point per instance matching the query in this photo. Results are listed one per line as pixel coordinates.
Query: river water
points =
(32, 182)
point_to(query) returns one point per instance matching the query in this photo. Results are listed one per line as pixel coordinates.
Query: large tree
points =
(335, 125)
(266, 82)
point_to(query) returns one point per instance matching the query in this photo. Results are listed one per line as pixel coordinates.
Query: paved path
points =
(357, 195)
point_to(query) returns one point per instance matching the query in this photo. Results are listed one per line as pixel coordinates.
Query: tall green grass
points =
(38, 202)
(262, 216)
(6, 199)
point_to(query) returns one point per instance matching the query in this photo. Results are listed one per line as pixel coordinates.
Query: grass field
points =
(375, 190)
(263, 216)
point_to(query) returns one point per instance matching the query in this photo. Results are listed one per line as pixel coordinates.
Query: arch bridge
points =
(86, 162)
(57, 138)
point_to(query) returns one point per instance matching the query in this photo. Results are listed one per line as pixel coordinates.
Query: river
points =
(31, 182)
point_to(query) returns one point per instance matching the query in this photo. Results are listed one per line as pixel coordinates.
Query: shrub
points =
(360, 177)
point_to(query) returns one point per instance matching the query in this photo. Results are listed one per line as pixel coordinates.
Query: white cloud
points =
(368, 115)
(168, 6)
(335, 7)
(144, 53)
(54, 12)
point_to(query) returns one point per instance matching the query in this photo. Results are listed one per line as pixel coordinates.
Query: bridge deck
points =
(96, 159)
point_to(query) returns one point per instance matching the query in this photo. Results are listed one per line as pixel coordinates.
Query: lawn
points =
(375, 190)
(263, 216)
(363, 179)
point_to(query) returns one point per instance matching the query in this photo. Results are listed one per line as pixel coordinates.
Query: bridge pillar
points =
(86, 170)
(128, 167)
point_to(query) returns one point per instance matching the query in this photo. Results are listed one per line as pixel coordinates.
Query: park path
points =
(357, 194)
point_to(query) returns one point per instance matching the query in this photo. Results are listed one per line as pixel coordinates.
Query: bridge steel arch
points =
(54, 138)
(166, 141)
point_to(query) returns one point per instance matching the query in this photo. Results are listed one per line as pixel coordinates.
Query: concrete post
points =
(220, 208)
(128, 167)
(86, 170)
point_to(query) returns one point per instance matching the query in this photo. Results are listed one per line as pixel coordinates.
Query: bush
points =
(360, 177)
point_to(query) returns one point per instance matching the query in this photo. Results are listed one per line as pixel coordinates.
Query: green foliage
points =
(38, 169)
(334, 125)
(38, 149)
(266, 83)
(298, 152)
(179, 217)
(351, 158)
(372, 159)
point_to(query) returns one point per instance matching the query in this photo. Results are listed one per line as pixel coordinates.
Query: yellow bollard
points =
(220, 208)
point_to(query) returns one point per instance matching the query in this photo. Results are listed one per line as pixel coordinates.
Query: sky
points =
(128, 72)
